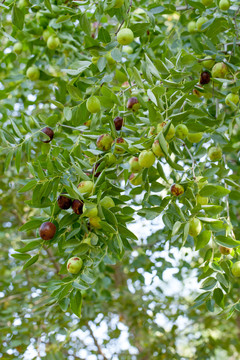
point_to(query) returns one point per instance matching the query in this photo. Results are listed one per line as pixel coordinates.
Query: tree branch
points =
(95, 341)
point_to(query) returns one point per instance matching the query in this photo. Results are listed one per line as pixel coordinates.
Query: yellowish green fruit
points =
(195, 137)
(201, 182)
(110, 159)
(93, 104)
(46, 35)
(201, 200)
(234, 98)
(110, 59)
(215, 153)
(208, 62)
(135, 167)
(156, 148)
(74, 265)
(125, 36)
(146, 158)
(202, 20)
(107, 202)
(53, 42)
(85, 186)
(177, 189)
(95, 222)
(135, 179)
(192, 26)
(17, 48)
(171, 130)
(33, 73)
(128, 49)
(236, 269)
(181, 131)
(104, 142)
(219, 70)
(195, 227)
(224, 5)
(225, 250)
(90, 210)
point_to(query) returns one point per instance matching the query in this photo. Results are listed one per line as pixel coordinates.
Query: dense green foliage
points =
(63, 68)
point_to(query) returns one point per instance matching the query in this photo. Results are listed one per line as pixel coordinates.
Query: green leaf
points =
(209, 283)
(176, 227)
(203, 239)
(30, 262)
(30, 185)
(76, 302)
(126, 232)
(214, 190)
(104, 35)
(48, 5)
(17, 17)
(18, 158)
(227, 241)
(32, 224)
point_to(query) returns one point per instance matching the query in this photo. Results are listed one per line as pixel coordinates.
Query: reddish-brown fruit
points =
(77, 207)
(49, 132)
(205, 77)
(133, 104)
(96, 174)
(64, 202)
(177, 189)
(120, 140)
(47, 230)
(118, 122)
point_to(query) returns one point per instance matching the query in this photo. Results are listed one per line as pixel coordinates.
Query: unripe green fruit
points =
(201, 200)
(125, 36)
(146, 158)
(195, 137)
(215, 153)
(195, 227)
(74, 265)
(95, 222)
(134, 165)
(104, 142)
(200, 182)
(234, 98)
(192, 26)
(53, 42)
(93, 104)
(17, 48)
(110, 59)
(207, 2)
(128, 49)
(85, 186)
(95, 59)
(87, 241)
(90, 211)
(208, 62)
(181, 131)
(224, 5)
(202, 20)
(119, 149)
(171, 130)
(152, 131)
(33, 73)
(157, 150)
(135, 179)
(107, 202)
(118, 3)
(225, 250)
(46, 35)
(236, 269)
(177, 189)
(219, 70)
(110, 159)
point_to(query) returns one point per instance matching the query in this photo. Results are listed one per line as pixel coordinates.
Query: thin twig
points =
(95, 341)
(52, 259)
(128, 10)
(193, 161)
